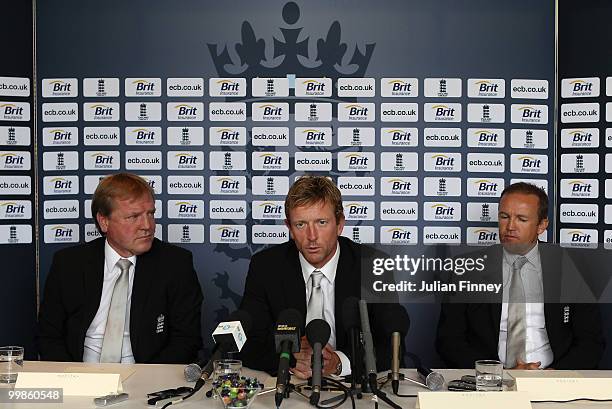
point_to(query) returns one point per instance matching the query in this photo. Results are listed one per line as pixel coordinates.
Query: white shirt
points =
(95, 333)
(327, 288)
(537, 343)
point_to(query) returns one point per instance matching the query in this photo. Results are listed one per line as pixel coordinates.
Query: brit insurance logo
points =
(60, 185)
(529, 163)
(399, 87)
(192, 111)
(190, 160)
(61, 233)
(442, 162)
(580, 138)
(578, 237)
(407, 137)
(278, 111)
(60, 136)
(142, 87)
(61, 87)
(482, 236)
(442, 112)
(399, 161)
(529, 114)
(398, 235)
(486, 88)
(15, 111)
(15, 234)
(396, 186)
(227, 87)
(365, 112)
(15, 209)
(270, 161)
(185, 209)
(228, 136)
(352, 161)
(486, 138)
(313, 136)
(227, 234)
(313, 87)
(448, 211)
(478, 187)
(101, 160)
(227, 185)
(358, 136)
(268, 210)
(60, 161)
(227, 160)
(580, 87)
(143, 136)
(15, 160)
(579, 188)
(358, 210)
(108, 111)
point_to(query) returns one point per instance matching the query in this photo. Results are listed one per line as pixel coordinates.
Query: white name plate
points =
(560, 389)
(73, 384)
(473, 400)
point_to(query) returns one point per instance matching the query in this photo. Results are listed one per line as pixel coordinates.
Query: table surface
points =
(149, 378)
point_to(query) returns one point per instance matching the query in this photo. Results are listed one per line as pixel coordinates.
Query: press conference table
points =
(150, 378)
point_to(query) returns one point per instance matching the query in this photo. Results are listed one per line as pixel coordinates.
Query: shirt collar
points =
(111, 257)
(328, 270)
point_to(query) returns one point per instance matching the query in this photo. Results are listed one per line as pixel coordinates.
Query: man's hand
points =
(527, 365)
(303, 358)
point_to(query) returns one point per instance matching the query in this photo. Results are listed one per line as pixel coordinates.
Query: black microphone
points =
(317, 333)
(287, 339)
(351, 321)
(433, 380)
(229, 337)
(396, 326)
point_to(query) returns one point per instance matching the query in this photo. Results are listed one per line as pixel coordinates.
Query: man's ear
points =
(102, 222)
(543, 225)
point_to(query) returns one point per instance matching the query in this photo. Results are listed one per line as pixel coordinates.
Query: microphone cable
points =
(199, 384)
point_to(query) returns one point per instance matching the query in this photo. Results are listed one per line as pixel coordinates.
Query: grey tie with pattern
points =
(516, 340)
(315, 302)
(115, 322)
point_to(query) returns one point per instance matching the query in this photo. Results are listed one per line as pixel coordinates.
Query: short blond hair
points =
(309, 190)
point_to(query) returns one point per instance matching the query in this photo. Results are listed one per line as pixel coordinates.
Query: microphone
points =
(317, 333)
(370, 358)
(351, 321)
(229, 336)
(396, 326)
(433, 380)
(287, 339)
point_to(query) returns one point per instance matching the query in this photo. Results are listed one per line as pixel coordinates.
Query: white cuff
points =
(346, 363)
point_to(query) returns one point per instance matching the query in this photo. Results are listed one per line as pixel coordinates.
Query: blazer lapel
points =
(292, 281)
(93, 278)
(144, 275)
(495, 262)
(347, 275)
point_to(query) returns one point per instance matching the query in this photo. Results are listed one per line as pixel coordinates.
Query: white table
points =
(150, 378)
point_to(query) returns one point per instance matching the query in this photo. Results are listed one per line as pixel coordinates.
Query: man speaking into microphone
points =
(314, 273)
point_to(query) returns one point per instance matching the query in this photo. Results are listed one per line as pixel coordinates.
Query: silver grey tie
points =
(115, 322)
(517, 321)
(315, 303)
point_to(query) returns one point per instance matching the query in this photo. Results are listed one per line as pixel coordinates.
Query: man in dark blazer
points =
(560, 334)
(162, 315)
(278, 279)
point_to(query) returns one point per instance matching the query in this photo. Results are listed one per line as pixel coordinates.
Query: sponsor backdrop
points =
(584, 209)
(420, 111)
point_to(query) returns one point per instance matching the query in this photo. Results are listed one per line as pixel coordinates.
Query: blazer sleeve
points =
(451, 339)
(51, 337)
(258, 352)
(185, 306)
